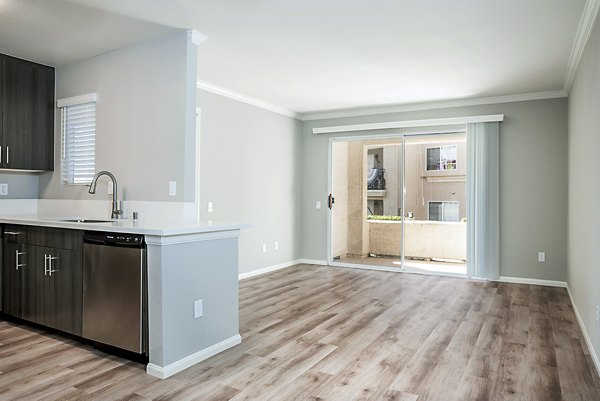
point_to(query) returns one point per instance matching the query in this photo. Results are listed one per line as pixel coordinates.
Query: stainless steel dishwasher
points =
(113, 289)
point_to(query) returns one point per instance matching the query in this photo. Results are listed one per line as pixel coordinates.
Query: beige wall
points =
(358, 231)
(423, 239)
(340, 189)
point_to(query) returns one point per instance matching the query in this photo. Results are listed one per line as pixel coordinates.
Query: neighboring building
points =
(435, 175)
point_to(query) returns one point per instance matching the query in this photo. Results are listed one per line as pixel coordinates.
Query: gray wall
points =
(584, 187)
(251, 170)
(144, 119)
(533, 182)
(20, 185)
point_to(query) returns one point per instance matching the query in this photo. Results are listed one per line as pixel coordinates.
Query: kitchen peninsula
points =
(187, 262)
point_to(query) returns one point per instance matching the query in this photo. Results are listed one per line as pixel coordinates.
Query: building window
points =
(443, 211)
(441, 158)
(78, 128)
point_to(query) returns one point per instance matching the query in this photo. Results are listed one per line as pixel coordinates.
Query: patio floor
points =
(415, 265)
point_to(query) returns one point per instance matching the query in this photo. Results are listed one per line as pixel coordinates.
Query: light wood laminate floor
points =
(322, 333)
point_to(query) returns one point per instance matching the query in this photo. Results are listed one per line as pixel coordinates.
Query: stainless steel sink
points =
(82, 220)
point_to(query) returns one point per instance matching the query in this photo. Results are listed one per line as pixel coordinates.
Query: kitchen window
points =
(443, 211)
(78, 127)
(441, 158)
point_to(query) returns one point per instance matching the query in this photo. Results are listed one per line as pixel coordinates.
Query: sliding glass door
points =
(400, 203)
(435, 203)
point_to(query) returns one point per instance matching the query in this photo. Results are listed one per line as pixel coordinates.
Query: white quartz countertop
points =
(159, 228)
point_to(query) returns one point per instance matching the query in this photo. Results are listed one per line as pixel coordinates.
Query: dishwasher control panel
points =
(118, 239)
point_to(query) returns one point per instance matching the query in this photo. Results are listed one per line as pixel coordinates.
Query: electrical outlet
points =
(276, 245)
(198, 309)
(318, 204)
(210, 207)
(541, 256)
(172, 188)
(3, 189)
(264, 248)
(598, 315)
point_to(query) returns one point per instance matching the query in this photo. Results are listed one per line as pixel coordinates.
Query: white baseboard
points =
(182, 364)
(532, 281)
(268, 269)
(588, 341)
(313, 262)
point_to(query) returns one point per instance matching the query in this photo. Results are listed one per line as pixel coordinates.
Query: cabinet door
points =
(17, 118)
(66, 274)
(41, 155)
(37, 288)
(28, 115)
(1, 105)
(13, 266)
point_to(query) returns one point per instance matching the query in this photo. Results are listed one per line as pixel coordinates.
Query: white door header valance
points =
(409, 124)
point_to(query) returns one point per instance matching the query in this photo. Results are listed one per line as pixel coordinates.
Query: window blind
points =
(78, 123)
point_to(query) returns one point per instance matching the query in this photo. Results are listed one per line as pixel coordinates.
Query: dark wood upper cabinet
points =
(27, 114)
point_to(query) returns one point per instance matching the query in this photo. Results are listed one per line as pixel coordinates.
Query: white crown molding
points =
(196, 37)
(240, 97)
(586, 24)
(437, 104)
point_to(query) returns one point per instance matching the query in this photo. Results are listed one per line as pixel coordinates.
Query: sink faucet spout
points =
(116, 207)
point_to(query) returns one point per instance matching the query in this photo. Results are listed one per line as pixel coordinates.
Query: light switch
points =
(541, 256)
(210, 207)
(318, 204)
(172, 188)
(198, 309)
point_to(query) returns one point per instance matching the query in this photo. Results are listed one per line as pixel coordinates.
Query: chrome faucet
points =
(116, 205)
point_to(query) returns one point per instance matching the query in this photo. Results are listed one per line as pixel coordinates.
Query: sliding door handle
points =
(330, 201)
(7, 155)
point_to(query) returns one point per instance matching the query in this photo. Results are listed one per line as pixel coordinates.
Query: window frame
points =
(67, 175)
(455, 146)
(442, 211)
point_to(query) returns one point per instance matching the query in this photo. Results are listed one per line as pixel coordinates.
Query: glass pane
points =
(451, 211)
(447, 158)
(434, 237)
(433, 159)
(435, 211)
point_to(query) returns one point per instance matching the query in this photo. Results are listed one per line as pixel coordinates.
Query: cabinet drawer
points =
(61, 238)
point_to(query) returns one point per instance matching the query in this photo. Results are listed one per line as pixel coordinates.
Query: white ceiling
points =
(317, 55)
(56, 32)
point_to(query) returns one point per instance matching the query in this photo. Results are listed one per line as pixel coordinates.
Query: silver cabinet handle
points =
(7, 155)
(12, 232)
(51, 270)
(17, 264)
(45, 265)
(0, 154)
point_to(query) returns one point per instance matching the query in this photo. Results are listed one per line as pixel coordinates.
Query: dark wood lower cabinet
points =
(47, 286)
(67, 283)
(12, 278)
